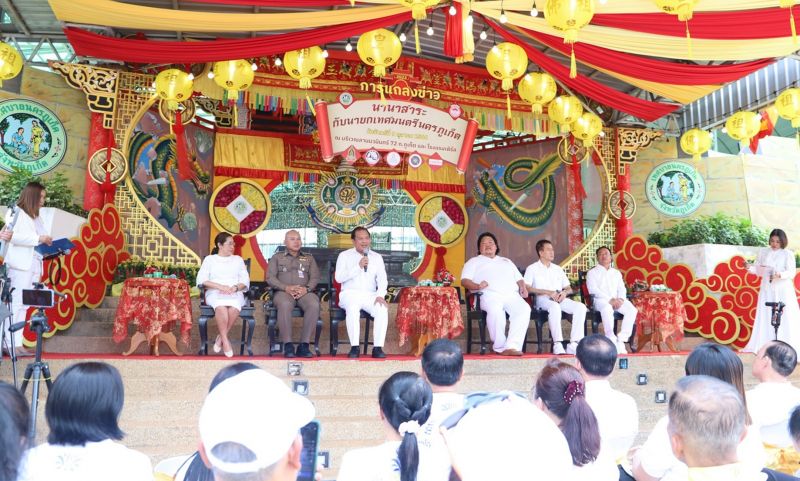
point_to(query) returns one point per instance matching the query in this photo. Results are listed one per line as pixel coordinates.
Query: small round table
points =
(428, 313)
(664, 314)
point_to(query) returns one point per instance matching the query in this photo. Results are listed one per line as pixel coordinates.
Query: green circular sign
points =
(33, 138)
(675, 189)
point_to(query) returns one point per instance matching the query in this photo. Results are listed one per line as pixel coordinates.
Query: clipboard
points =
(59, 247)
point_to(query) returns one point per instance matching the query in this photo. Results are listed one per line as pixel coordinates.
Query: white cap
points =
(257, 410)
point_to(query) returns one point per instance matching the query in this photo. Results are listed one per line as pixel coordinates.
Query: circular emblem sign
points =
(240, 206)
(675, 189)
(33, 137)
(441, 220)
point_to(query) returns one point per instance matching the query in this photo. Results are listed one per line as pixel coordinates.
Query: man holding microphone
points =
(362, 274)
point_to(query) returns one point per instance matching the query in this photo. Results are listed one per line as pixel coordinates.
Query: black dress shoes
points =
(378, 353)
(354, 352)
(288, 349)
(303, 350)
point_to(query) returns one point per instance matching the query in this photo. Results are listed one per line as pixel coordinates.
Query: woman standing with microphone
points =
(776, 267)
(23, 262)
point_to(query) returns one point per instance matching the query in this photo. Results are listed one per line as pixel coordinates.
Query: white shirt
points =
(601, 469)
(225, 270)
(499, 272)
(657, 460)
(605, 284)
(727, 472)
(434, 458)
(377, 463)
(100, 461)
(352, 276)
(551, 278)
(770, 405)
(617, 418)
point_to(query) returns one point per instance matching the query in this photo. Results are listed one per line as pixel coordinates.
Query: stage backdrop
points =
(181, 206)
(520, 195)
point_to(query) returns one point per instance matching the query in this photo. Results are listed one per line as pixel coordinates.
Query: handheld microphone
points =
(366, 254)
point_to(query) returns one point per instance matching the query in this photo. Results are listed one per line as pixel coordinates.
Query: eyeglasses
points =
(478, 399)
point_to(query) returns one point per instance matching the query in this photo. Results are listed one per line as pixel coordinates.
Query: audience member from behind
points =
(560, 393)
(83, 410)
(654, 460)
(772, 400)
(192, 467)
(250, 428)
(616, 412)
(13, 430)
(405, 404)
(442, 367)
(706, 426)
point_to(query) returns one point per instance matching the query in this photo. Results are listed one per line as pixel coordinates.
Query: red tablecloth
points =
(663, 313)
(433, 312)
(153, 305)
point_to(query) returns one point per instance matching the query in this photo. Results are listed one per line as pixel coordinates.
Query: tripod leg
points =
(37, 374)
(26, 377)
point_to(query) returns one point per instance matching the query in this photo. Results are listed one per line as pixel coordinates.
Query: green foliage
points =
(136, 268)
(717, 229)
(59, 193)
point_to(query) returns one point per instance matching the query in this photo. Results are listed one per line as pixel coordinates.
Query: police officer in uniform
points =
(293, 274)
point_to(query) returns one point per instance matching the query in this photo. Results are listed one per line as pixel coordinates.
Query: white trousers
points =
(519, 317)
(554, 310)
(628, 312)
(353, 302)
(20, 280)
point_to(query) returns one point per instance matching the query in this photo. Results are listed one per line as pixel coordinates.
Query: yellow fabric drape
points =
(124, 15)
(631, 6)
(684, 94)
(248, 152)
(656, 45)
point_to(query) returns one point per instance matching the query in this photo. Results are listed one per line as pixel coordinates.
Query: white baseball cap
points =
(257, 410)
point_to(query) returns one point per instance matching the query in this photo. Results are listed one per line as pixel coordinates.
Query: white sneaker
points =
(558, 349)
(621, 348)
(572, 348)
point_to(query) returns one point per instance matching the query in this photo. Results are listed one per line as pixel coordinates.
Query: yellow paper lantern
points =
(380, 49)
(564, 110)
(684, 9)
(10, 62)
(507, 62)
(419, 7)
(696, 142)
(174, 86)
(569, 16)
(788, 105)
(743, 126)
(537, 88)
(305, 64)
(587, 127)
(233, 76)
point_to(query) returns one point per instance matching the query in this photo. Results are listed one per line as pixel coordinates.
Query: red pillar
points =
(624, 224)
(92, 196)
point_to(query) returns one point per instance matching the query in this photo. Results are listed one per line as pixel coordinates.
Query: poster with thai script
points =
(438, 136)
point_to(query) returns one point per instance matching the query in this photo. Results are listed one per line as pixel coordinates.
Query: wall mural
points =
(181, 206)
(518, 194)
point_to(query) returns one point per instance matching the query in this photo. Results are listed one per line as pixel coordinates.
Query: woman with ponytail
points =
(405, 404)
(560, 393)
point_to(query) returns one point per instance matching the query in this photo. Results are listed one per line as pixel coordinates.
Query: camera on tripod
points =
(39, 297)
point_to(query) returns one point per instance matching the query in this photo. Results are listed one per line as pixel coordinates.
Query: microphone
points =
(366, 254)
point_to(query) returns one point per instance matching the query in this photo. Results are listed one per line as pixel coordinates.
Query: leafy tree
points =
(716, 229)
(59, 193)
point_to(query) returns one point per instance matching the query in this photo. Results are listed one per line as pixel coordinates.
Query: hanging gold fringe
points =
(791, 23)
(380, 89)
(573, 67)
(508, 104)
(416, 35)
(688, 39)
(310, 104)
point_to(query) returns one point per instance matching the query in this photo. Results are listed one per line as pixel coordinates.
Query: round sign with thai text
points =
(33, 138)
(441, 220)
(675, 189)
(240, 206)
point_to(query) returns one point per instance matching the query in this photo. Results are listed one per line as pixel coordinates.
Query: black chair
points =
(594, 315)
(539, 317)
(247, 314)
(336, 315)
(271, 319)
(474, 313)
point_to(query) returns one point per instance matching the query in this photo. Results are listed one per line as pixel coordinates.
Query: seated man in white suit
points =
(548, 281)
(606, 285)
(502, 291)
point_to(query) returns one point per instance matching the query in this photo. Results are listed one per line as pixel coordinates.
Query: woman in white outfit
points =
(225, 278)
(24, 263)
(776, 266)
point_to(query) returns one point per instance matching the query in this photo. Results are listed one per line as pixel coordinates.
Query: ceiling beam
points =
(11, 9)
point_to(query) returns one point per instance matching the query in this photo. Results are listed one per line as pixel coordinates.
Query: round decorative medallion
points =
(186, 107)
(33, 137)
(240, 206)
(675, 188)
(617, 203)
(441, 220)
(116, 165)
(567, 150)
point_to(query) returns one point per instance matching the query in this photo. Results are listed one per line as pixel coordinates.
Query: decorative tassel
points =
(352, 3)
(184, 168)
(311, 105)
(380, 89)
(573, 67)
(508, 104)
(689, 39)
(794, 28)
(416, 36)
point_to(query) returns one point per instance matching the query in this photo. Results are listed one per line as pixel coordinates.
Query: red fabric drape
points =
(580, 192)
(764, 131)
(92, 195)
(453, 33)
(735, 25)
(651, 69)
(150, 51)
(637, 107)
(184, 167)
